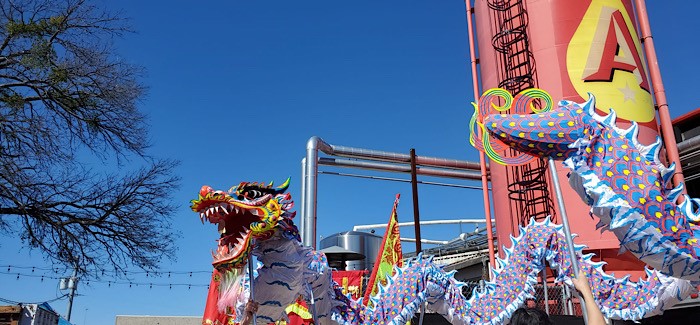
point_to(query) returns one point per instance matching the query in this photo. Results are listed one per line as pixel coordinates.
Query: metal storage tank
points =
(364, 243)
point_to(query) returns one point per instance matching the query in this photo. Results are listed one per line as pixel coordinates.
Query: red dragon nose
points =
(205, 189)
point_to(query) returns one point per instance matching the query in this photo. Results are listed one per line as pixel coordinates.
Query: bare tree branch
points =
(62, 88)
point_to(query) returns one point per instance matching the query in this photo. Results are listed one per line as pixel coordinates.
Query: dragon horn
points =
(283, 187)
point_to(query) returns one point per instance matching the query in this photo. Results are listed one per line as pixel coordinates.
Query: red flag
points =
(212, 316)
(389, 254)
(350, 281)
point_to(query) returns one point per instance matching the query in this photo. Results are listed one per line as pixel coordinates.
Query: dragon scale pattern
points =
(622, 180)
(289, 270)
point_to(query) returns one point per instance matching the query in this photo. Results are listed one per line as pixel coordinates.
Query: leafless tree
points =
(65, 96)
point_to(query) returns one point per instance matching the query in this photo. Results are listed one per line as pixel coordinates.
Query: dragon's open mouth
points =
(234, 219)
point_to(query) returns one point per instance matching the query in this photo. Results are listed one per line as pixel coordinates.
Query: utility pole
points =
(71, 284)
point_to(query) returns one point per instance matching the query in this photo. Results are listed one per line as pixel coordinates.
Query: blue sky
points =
(237, 88)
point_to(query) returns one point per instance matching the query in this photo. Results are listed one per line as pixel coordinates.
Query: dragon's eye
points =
(250, 194)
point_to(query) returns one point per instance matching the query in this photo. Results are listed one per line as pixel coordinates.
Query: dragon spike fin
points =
(675, 192)
(632, 132)
(389, 281)
(651, 152)
(589, 105)
(667, 172)
(548, 220)
(500, 263)
(611, 119)
(283, 187)
(688, 208)
(647, 271)
(272, 183)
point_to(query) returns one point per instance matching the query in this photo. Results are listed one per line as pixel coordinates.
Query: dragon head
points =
(246, 213)
(547, 134)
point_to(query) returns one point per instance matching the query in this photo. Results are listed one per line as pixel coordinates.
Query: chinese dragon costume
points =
(622, 181)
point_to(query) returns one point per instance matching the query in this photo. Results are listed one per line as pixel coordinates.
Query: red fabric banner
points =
(212, 316)
(350, 281)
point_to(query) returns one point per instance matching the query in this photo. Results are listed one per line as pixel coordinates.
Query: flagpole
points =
(393, 223)
(252, 291)
(567, 230)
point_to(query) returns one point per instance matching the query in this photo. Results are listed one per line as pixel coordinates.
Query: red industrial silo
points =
(568, 48)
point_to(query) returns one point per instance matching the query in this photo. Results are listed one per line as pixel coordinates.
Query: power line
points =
(116, 273)
(110, 282)
(12, 302)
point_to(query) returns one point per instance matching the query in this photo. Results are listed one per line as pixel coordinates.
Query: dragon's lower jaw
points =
(231, 254)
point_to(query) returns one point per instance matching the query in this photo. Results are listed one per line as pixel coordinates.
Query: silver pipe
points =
(310, 186)
(570, 302)
(302, 220)
(427, 222)
(692, 178)
(460, 174)
(252, 286)
(422, 313)
(689, 158)
(313, 303)
(426, 241)
(382, 178)
(544, 286)
(567, 230)
(689, 145)
(350, 152)
(463, 170)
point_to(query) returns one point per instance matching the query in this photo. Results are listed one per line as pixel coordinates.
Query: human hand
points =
(581, 283)
(595, 316)
(250, 309)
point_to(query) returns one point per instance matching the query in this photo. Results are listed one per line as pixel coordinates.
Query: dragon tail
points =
(421, 281)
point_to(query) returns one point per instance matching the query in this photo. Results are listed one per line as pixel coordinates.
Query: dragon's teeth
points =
(255, 212)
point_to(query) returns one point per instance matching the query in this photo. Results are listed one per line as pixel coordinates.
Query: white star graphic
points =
(628, 93)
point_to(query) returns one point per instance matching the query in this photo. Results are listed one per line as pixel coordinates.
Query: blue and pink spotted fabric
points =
(421, 281)
(623, 181)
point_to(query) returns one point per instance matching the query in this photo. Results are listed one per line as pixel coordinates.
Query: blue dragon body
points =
(623, 181)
